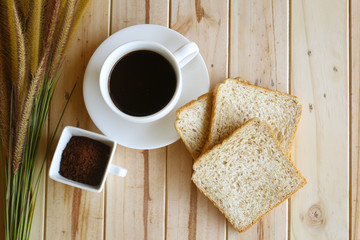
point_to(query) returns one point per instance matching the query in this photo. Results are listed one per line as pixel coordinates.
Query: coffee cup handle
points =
(186, 53)
(118, 171)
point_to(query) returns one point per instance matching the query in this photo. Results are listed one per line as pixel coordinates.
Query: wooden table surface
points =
(309, 48)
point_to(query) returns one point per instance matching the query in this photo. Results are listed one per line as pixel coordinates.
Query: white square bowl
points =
(65, 137)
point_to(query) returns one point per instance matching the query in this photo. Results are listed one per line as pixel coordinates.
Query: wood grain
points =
(137, 203)
(126, 13)
(319, 77)
(206, 23)
(194, 216)
(355, 119)
(181, 210)
(259, 34)
(72, 213)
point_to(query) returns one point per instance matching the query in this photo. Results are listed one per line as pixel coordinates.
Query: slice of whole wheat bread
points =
(193, 120)
(247, 175)
(192, 123)
(235, 102)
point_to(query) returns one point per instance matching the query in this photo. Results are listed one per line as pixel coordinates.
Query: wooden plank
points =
(72, 213)
(135, 206)
(259, 53)
(193, 216)
(355, 119)
(181, 214)
(126, 13)
(319, 77)
(259, 42)
(206, 23)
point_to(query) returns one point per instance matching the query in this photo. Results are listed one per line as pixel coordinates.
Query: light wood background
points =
(309, 48)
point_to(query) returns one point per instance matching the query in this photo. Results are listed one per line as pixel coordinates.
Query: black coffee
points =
(142, 83)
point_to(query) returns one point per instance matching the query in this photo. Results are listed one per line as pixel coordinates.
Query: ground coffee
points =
(84, 160)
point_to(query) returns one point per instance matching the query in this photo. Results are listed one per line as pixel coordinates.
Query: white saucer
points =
(141, 135)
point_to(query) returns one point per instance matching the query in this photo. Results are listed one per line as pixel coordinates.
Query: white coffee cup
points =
(177, 59)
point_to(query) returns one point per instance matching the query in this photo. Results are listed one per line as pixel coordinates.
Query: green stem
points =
(8, 176)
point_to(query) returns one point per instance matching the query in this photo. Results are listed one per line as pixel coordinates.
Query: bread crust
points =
(191, 103)
(183, 108)
(296, 128)
(207, 142)
(282, 150)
